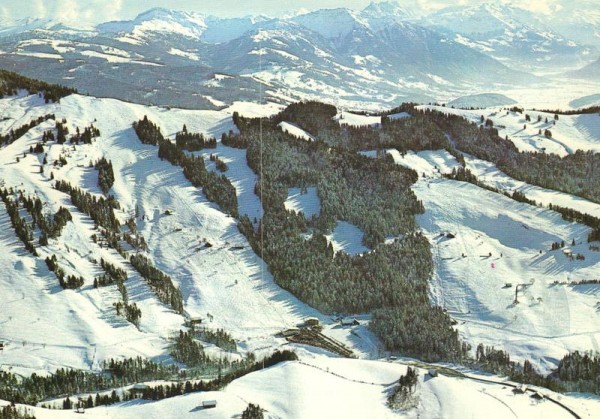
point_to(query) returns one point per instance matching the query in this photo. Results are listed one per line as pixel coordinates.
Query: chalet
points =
(194, 321)
(450, 236)
(80, 409)
(290, 332)
(432, 373)
(1, 346)
(349, 321)
(508, 285)
(209, 404)
(311, 321)
(137, 391)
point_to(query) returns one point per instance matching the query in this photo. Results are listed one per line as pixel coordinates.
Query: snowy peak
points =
(331, 23)
(13, 27)
(159, 20)
(386, 10)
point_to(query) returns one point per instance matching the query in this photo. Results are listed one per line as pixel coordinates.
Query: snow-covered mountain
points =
(589, 72)
(516, 37)
(171, 57)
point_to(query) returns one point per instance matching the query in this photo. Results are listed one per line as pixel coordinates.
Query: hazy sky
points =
(86, 12)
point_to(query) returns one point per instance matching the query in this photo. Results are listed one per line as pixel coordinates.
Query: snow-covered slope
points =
(568, 134)
(496, 244)
(78, 328)
(320, 387)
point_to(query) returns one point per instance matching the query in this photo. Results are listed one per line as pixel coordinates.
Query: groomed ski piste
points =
(45, 327)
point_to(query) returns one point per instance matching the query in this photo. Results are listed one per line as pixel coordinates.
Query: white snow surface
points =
(347, 238)
(350, 118)
(307, 201)
(295, 130)
(322, 387)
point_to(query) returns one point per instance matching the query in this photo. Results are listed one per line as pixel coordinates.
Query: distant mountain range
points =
(382, 54)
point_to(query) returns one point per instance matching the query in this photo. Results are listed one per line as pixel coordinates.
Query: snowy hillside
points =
(324, 387)
(210, 279)
(528, 129)
(485, 245)
(502, 273)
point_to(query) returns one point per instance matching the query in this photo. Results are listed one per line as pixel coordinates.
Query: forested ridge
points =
(375, 195)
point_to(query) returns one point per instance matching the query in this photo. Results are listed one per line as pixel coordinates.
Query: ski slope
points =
(79, 328)
(489, 174)
(499, 241)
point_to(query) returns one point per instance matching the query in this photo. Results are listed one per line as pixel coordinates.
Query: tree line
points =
(13, 82)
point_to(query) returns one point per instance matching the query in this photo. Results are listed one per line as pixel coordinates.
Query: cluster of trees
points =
(22, 228)
(218, 337)
(99, 209)
(375, 195)
(189, 351)
(86, 136)
(61, 131)
(193, 141)
(68, 282)
(12, 412)
(106, 176)
(232, 140)
(117, 373)
(580, 372)
(219, 164)
(588, 110)
(159, 282)
(131, 311)
(401, 395)
(417, 329)
(148, 132)
(112, 274)
(50, 226)
(14, 134)
(253, 411)
(35, 388)
(488, 358)
(217, 188)
(12, 82)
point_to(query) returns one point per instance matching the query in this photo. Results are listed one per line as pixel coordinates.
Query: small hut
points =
(349, 321)
(311, 321)
(209, 404)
